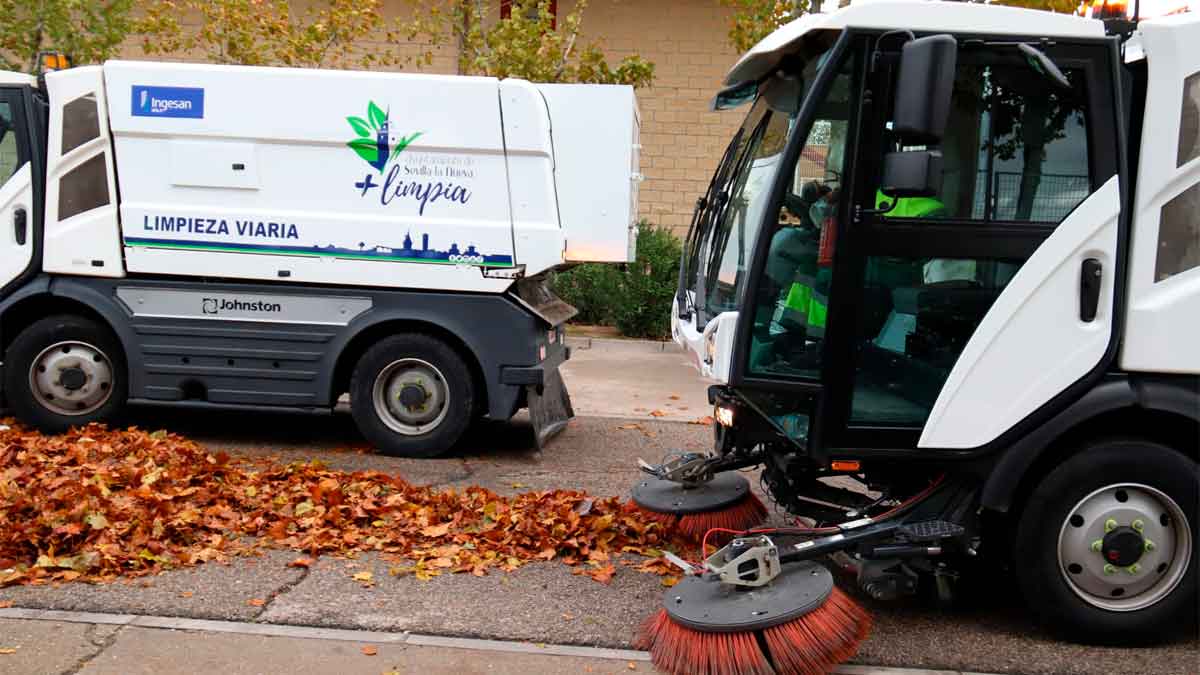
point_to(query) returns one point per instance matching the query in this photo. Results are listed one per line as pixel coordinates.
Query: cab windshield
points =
(722, 238)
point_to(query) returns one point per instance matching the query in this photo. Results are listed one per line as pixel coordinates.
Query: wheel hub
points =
(71, 378)
(413, 396)
(1123, 546)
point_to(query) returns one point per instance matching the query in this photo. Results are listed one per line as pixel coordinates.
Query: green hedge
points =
(637, 300)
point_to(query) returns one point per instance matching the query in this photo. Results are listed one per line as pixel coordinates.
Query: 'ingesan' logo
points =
(212, 306)
(185, 102)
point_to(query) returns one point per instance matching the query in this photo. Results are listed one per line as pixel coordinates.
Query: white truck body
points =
(247, 173)
(238, 236)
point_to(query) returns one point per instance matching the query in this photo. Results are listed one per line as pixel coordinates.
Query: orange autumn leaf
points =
(658, 413)
(370, 650)
(157, 501)
(256, 602)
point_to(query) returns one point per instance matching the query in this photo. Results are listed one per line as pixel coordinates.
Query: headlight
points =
(724, 415)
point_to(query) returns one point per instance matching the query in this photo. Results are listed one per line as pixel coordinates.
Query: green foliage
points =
(531, 44)
(87, 31)
(327, 34)
(636, 300)
(753, 20)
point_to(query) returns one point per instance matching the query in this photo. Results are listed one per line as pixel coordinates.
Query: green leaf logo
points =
(373, 137)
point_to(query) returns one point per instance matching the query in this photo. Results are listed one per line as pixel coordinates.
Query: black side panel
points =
(1178, 395)
(283, 345)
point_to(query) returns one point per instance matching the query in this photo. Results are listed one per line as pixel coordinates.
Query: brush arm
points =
(849, 537)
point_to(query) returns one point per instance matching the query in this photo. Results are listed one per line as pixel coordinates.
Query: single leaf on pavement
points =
(256, 602)
(370, 650)
(658, 413)
(301, 562)
(8, 650)
(364, 578)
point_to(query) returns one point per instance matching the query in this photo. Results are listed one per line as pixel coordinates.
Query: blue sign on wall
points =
(168, 101)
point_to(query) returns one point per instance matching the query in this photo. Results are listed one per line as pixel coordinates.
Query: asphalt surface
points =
(541, 602)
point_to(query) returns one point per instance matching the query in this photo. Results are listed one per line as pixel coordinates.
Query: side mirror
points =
(924, 87)
(915, 173)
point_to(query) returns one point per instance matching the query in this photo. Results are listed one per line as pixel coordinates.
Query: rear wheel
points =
(1106, 547)
(65, 371)
(412, 395)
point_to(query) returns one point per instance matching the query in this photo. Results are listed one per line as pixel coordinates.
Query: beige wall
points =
(681, 139)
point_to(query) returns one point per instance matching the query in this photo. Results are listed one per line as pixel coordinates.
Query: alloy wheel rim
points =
(71, 378)
(1124, 547)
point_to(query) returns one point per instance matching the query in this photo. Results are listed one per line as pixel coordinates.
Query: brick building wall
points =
(681, 138)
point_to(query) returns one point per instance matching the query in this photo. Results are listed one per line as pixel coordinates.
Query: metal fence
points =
(1056, 195)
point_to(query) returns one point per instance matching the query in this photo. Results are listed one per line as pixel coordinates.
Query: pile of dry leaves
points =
(97, 504)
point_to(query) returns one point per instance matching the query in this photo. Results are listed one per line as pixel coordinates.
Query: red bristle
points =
(809, 645)
(677, 649)
(667, 520)
(814, 643)
(743, 515)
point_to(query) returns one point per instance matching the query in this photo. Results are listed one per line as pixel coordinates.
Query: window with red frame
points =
(506, 11)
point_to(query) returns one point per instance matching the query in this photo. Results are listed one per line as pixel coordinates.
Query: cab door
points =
(18, 206)
(961, 314)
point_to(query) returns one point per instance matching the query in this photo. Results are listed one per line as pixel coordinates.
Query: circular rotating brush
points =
(798, 623)
(692, 509)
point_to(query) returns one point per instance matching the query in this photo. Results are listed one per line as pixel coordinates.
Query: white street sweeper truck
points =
(947, 280)
(269, 238)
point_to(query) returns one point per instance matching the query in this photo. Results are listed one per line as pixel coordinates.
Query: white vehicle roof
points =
(9, 77)
(915, 15)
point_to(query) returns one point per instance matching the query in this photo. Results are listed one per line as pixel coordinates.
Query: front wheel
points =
(412, 396)
(65, 371)
(1106, 547)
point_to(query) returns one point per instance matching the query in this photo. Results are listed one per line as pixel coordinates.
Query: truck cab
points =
(961, 239)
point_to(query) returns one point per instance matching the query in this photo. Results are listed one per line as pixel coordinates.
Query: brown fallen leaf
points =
(370, 650)
(186, 594)
(8, 650)
(364, 578)
(256, 602)
(5, 604)
(707, 421)
(658, 413)
(567, 617)
(301, 562)
(674, 397)
(632, 665)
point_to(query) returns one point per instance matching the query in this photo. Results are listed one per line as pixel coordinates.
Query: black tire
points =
(458, 408)
(33, 342)
(1043, 581)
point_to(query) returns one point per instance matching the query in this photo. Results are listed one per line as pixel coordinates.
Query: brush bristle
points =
(677, 649)
(743, 515)
(816, 642)
(809, 645)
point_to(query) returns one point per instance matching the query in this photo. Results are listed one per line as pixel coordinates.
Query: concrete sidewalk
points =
(634, 379)
(37, 641)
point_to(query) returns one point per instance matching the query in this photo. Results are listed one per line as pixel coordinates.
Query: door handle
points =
(1090, 275)
(20, 225)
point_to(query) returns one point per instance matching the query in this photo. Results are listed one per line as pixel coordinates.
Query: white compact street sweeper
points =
(947, 280)
(269, 238)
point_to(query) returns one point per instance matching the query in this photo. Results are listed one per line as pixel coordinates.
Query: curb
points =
(622, 345)
(381, 637)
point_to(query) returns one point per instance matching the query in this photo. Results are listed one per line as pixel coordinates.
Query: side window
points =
(11, 157)
(1016, 147)
(792, 299)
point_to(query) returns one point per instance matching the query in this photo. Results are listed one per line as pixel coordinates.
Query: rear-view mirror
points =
(912, 174)
(924, 87)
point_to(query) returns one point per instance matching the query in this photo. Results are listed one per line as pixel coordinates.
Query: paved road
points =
(545, 602)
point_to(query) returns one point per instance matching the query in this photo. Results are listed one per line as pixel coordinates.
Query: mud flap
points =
(550, 409)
